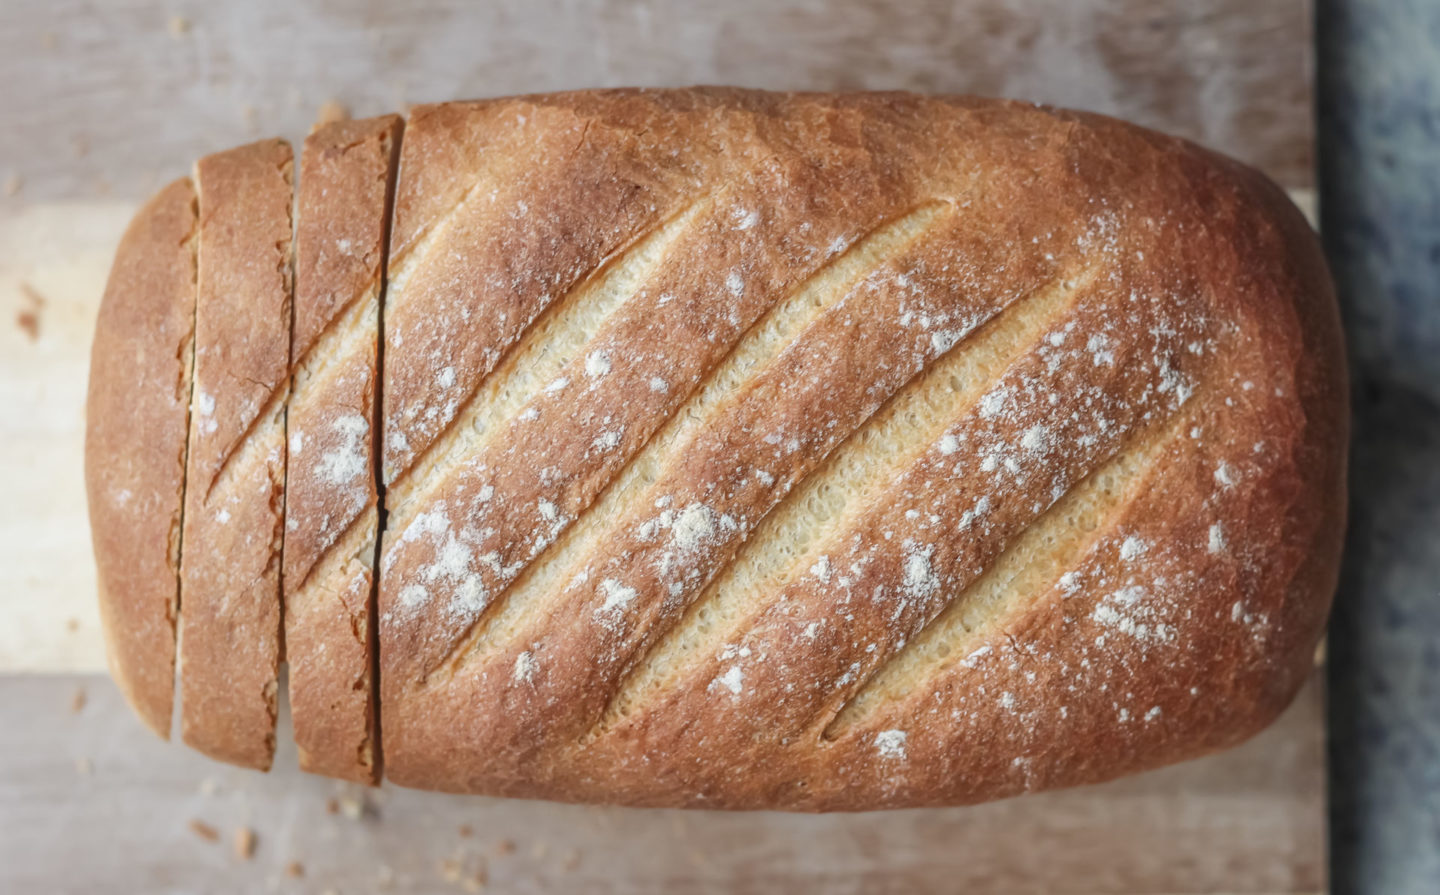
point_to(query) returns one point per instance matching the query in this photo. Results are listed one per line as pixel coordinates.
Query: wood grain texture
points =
(1246, 821)
(1231, 74)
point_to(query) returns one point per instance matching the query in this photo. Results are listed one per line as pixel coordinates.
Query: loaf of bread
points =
(721, 448)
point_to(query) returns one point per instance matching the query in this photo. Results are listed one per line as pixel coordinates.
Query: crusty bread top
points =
(339, 255)
(255, 365)
(835, 371)
(762, 450)
(331, 509)
(235, 485)
(136, 418)
(345, 183)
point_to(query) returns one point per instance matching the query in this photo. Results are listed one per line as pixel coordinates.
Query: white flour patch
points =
(945, 339)
(821, 569)
(1036, 439)
(1217, 539)
(949, 444)
(735, 283)
(1223, 476)
(525, 667)
(1128, 611)
(1099, 348)
(693, 526)
(349, 459)
(452, 562)
(446, 378)
(746, 219)
(433, 522)
(413, 596)
(658, 385)
(994, 402)
(733, 680)
(597, 364)
(1132, 548)
(920, 580)
(891, 744)
(297, 442)
(618, 597)
(205, 404)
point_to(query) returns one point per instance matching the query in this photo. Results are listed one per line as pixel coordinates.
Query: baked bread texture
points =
(331, 499)
(235, 479)
(751, 450)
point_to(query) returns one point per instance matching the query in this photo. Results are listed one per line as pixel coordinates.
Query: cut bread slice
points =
(135, 437)
(230, 572)
(331, 507)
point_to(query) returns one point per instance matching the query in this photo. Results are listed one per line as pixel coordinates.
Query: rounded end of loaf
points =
(1306, 309)
(135, 440)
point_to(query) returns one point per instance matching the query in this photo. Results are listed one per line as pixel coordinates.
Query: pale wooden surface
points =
(104, 102)
(1250, 820)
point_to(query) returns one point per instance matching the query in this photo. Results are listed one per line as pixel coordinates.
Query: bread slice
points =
(230, 644)
(135, 437)
(331, 508)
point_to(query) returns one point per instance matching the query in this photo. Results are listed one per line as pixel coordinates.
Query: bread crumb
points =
(294, 870)
(505, 847)
(83, 767)
(465, 831)
(244, 843)
(539, 850)
(351, 807)
(13, 184)
(49, 40)
(332, 806)
(572, 861)
(77, 700)
(179, 26)
(29, 323)
(331, 111)
(450, 870)
(28, 318)
(72, 624)
(80, 146)
(204, 831)
(251, 115)
(208, 787)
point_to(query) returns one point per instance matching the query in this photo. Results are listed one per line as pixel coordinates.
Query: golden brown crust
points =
(1081, 297)
(346, 174)
(235, 486)
(135, 437)
(820, 452)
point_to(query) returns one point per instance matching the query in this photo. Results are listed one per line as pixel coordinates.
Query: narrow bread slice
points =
(135, 436)
(230, 574)
(331, 511)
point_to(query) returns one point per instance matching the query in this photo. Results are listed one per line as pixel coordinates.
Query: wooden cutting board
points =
(103, 104)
